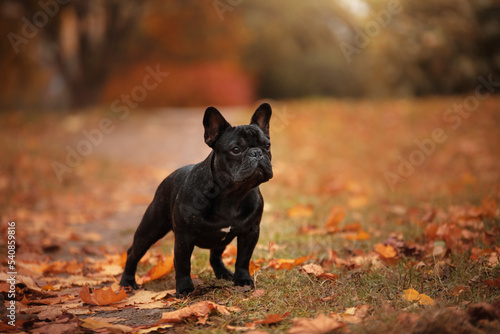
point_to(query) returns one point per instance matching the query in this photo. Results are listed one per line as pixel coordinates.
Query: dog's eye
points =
(236, 150)
(268, 146)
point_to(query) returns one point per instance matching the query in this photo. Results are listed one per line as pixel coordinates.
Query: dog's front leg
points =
(246, 245)
(183, 249)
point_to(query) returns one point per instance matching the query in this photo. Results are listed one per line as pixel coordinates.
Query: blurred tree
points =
(437, 47)
(79, 40)
(294, 52)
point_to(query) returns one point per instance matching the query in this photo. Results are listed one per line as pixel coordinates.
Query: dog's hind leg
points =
(154, 225)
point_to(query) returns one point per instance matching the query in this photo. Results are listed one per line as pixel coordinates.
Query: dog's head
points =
(241, 153)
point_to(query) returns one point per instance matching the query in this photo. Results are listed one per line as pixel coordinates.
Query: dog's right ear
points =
(215, 124)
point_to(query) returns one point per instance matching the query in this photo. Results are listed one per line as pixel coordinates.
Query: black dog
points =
(211, 203)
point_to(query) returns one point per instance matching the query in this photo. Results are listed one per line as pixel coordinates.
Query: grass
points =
(335, 154)
(332, 153)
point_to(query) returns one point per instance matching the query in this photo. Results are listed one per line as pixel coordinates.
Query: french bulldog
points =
(210, 203)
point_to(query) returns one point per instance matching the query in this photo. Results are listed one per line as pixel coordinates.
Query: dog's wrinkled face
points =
(243, 153)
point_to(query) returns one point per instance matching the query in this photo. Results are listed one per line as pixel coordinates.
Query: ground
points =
(382, 217)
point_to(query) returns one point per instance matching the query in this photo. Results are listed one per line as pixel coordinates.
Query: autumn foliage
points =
(339, 249)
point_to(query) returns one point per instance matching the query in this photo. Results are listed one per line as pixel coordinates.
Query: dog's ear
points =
(215, 124)
(261, 117)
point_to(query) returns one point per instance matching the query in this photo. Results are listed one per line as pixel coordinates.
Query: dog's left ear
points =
(261, 117)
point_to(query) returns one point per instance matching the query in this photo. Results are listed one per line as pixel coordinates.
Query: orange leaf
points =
(287, 263)
(101, 296)
(163, 268)
(413, 295)
(361, 235)
(493, 282)
(300, 211)
(198, 310)
(352, 227)
(357, 202)
(458, 290)
(336, 216)
(489, 207)
(329, 276)
(272, 319)
(387, 252)
(231, 250)
(312, 268)
(253, 268)
(320, 324)
(318, 271)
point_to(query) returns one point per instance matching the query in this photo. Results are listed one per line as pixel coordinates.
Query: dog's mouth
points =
(260, 175)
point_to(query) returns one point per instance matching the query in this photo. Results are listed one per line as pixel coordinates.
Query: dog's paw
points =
(129, 282)
(243, 278)
(224, 274)
(244, 282)
(184, 287)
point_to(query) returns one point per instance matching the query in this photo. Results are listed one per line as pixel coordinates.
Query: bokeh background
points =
(385, 135)
(60, 54)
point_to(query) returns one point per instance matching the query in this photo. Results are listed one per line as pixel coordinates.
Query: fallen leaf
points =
(413, 295)
(155, 329)
(357, 202)
(317, 270)
(320, 324)
(249, 327)
(489, 207)
(231, 250)
(287, 263)
(386, 251)
(410, 295)
(425, 300)
(50, 313)
(102, 296)
(495, 282)
(329, 276)
(336, 216)
(253, 268)
(272, 319)
(458, 290)
(360, 236)
(198, 310)
(163, 268)
(97, 324)
(312, 268)
(300, 211)
(258, 293)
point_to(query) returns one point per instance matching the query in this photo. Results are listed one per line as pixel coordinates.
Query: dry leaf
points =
(319, 325)
(231, 250)
(313, 269)
(198, 310)
(361, 235)
(386, 251)
(413, 295)
(253, 268)
(154, 329)
(272, 319)
(287, 263)
(300, 211)
(495, 282)
(97, 325)
(336, 216)
(163, 268)
(258, 293)
(102, 296)
(357, 202)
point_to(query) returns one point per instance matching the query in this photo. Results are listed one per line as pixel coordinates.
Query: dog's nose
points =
(256, 153)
